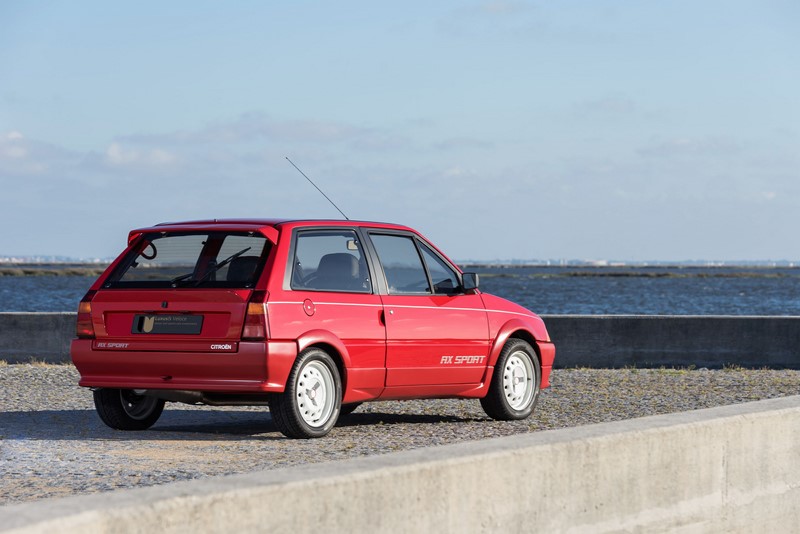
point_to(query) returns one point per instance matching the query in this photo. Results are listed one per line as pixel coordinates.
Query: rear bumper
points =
(257, 367)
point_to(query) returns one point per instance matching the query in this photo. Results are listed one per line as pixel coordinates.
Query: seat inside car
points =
(242, 269)
(339, 270)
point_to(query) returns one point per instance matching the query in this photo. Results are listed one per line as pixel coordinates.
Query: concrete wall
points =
(39, 336)
(675, 340)
(581, 340)
(729, 469)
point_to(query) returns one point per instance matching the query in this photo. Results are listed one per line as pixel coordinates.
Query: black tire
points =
(310, 405)
(514, 390)
(122, 409)
(347, 409)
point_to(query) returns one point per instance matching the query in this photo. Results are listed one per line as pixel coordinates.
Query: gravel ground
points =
(52, 443)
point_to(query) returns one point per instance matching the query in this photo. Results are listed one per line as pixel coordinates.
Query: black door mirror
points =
(469, 281)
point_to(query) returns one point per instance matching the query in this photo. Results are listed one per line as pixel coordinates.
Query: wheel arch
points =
(516, 329)
(330, 343)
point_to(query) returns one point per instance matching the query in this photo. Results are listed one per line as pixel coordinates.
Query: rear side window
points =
(208, 259)
(330, 260)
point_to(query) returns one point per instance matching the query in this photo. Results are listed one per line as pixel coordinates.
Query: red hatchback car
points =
(309, 317)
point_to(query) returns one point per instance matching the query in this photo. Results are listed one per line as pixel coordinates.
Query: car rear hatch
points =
(177, 320)
(173, 313)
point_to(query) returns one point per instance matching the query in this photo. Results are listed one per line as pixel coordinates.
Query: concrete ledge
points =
(605, 341)
(729, 469)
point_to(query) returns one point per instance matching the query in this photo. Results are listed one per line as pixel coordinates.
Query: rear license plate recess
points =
(167, 324)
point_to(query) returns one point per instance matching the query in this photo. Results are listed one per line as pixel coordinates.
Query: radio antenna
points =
(317, 188)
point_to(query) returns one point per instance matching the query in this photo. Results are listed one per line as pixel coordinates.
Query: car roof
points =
(269, 227)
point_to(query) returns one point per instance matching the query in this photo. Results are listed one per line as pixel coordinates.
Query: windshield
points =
(208, 259)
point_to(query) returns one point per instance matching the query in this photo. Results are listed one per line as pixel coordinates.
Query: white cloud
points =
(237, 168)
(13, 151)
(117, 155)
(120, 155)
(12, 146)
(457, 172)
(22, 156)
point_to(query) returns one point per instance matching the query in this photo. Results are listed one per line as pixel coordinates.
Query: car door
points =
(328, 290)
(435, 333)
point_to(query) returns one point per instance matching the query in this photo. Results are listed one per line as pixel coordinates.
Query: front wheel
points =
(514, 389)
(122, 409)
(310, 405)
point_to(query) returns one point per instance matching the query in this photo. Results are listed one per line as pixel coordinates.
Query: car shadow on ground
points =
(173, 425)
(378, 418)
(177, 424)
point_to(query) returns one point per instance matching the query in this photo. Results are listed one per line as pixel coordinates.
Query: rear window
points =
(208, 259)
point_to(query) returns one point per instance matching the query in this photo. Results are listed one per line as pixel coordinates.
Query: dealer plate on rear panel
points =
(167, 324)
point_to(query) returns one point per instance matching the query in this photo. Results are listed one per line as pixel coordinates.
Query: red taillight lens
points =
(255, 320)
(84, 327)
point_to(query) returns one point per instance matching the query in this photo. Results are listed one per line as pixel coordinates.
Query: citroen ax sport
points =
(311, 318)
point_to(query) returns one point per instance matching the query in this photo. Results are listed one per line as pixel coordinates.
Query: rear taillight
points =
(255, 320)
(85, 328)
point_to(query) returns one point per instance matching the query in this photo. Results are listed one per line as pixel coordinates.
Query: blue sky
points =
(578, 129)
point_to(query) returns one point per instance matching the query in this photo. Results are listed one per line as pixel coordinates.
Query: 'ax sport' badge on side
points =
(167, 324)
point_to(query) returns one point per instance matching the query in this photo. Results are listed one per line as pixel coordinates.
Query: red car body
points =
(232, 343)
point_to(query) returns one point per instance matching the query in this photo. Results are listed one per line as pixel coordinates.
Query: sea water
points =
(545, 290)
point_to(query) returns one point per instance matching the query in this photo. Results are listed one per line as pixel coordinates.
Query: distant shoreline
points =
(510, 269)
(50, 269)
(576, 264)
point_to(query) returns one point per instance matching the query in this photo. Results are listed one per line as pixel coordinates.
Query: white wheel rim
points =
(518, 377)
(315, 393)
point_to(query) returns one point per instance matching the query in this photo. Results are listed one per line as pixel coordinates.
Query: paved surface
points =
(53, 444)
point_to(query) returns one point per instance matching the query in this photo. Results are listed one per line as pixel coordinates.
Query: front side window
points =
(330, 260)
(444, 278)
(186, 259)
(401, 263)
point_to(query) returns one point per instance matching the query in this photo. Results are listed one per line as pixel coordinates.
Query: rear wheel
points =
(514, 390)
(310, 405)
(123, 409)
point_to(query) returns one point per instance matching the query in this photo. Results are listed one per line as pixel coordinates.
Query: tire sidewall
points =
(512, 347)
(109, 404)
(307, 357)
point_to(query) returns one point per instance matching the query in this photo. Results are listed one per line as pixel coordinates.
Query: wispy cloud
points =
(469, 143)
(492, 19)
(712, 146)
(22, 156)
(256, 127)
(501, 8)
(608, 105)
